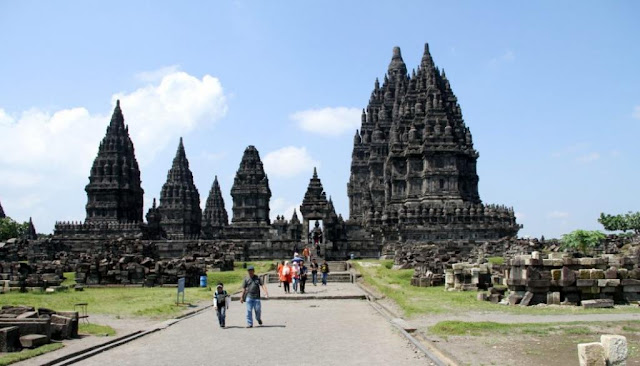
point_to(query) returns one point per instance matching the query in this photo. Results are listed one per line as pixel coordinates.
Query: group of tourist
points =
(295, 274)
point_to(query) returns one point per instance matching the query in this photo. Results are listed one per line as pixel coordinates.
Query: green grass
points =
(156, 302)
(460, 328)
(13, 357)
(69, 279)
(396, 285)
(96, 329)
(498, 261)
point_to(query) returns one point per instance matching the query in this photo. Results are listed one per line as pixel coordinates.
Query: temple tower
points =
(413, 167)
(250, 191)
(180, 199)
(2, 215)
(215, 217)
(114, 193)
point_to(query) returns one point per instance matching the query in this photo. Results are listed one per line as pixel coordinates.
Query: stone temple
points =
(413, 180)
(413, 169)
(2, 215)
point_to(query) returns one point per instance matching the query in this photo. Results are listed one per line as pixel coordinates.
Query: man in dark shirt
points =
(324, 268)
(314, 271)
(251, 295)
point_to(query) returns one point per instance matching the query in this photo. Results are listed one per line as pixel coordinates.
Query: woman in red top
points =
(285, 276)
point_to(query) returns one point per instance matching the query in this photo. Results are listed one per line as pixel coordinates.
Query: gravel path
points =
(315, 332)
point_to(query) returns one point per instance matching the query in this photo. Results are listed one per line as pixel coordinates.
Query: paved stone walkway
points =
(309, 332)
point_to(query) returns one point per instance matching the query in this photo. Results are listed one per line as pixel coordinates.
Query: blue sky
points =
(550, 90)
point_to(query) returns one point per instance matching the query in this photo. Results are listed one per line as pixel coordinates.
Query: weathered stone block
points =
(587, 283)
(587, 262)
(556, 274)
(33, 340)
(553, 298)
(591, 354)
(28, 315)
(615, 349)
(482, 296)
(597, 303)
(633, 288)
(526, 299)
(597, 274)
(611, 273)
(584, 274)
(9, 339)
(608, 282)
(514, 298)
(61, 327)
(627, 282)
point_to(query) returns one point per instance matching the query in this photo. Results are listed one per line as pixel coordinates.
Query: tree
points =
(582, 240)
(9, 228)
(622, 222)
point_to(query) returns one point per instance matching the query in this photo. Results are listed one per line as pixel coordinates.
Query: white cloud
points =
(50, 152)
(588, 158)
(157, 114)
(289, 161)
(281, 207)
(557, 215)
(636, 112)
(156, 75)
(330, 121)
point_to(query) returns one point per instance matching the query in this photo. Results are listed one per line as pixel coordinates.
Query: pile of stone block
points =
(560, 278)
(139, 270)
(24, 327)
(24, 276)
(612, 350)
(468, 277)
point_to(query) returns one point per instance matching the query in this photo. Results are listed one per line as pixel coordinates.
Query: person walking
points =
(285, 277)
(303, 276)
(295, 276)
(324, 268)
(314, 271)
(306, 253)
(251, 295)
(221, 300)
(279, 271)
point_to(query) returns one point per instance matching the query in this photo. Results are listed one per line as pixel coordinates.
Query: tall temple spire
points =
(250, 190)
(31, 233)
(397, 67)
(180, 199)
(114, 191)
(2, 215)
(215, 216)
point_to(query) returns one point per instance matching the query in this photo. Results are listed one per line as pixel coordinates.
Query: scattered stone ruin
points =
(561, 279)
(25, 327)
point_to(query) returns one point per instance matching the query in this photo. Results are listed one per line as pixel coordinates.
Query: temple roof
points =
(2, 215)
(215, 213)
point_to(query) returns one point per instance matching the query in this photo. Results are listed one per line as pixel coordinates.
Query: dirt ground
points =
(556, 348)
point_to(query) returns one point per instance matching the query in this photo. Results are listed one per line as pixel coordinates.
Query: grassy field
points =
(157, 302)
(13, 357)
(459, 328)
(414, 301)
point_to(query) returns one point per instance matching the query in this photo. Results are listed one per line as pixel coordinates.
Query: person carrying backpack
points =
(221, 300)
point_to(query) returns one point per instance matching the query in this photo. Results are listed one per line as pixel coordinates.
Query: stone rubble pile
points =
(139, 270)
(21, 275)
(562, 279)
(26, 327)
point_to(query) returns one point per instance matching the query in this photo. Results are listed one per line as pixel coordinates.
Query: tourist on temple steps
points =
(314, 271)
(285, 277)
(295, 276)
(279, 271)
(324, 268)
(306, 254)
(221, 300)
(303, 276)
(251, 295)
